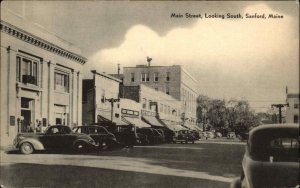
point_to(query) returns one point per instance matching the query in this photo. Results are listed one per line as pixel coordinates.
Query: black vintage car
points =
(184, 136)
(105, 139)
(271, 158)
(57, 137)
(152, 135)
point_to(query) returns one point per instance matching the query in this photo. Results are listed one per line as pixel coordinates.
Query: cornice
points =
(41, 43)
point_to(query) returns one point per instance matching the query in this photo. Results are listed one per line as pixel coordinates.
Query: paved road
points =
(202, 164)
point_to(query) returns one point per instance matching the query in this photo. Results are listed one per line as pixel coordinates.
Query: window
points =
(145, 77)
(168, 76)
(296, 118)
(296, 105)
(132, 77)
(161, 108)
(150, 104)
(102, 95)
(156, 77)
(168, 90)
(61, 82)
(27, 70)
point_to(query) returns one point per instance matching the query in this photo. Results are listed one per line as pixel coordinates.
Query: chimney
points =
(149, 59)
(118, 69)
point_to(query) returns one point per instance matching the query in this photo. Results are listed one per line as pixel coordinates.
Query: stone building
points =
(40, 78)
(171, 80)
(292, 111)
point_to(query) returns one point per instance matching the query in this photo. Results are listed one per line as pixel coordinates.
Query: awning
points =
(106, 118)
(135, 121)
(152, 121)
(174, 127)
(192, 126)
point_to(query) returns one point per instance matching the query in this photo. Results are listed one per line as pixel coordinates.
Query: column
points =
(79, 98)
(51, 83)
(74, 98)
(12, 93)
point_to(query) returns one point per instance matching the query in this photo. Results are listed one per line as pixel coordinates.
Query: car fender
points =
(84, 141)
(37, 145)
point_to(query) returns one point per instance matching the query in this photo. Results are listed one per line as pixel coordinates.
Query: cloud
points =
(221, 53)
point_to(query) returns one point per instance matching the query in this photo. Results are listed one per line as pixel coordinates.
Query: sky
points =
(252, 59)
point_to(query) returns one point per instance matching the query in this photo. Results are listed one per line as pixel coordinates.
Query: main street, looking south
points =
(207, 163)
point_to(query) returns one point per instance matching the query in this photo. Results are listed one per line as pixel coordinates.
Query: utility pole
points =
(279, 106)
(112, 101)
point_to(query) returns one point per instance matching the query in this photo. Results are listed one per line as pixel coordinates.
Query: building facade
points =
(100, 99)
(292, 111)
(171, 80)
(157, 108)
(40, 78)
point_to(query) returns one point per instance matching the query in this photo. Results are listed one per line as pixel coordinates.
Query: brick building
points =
(171, 80)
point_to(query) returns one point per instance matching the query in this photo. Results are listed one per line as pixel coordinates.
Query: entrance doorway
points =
(26, 112)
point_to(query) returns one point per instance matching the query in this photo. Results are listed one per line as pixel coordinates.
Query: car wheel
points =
(80, 147)
(104, 146)
(26, 148)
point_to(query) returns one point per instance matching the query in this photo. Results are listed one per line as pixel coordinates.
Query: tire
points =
(104, 146)
(26, 148)
(80, 147)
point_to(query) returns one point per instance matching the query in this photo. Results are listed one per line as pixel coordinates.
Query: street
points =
(211, 163)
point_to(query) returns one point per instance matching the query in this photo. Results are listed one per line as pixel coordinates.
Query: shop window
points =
(61, 82)
(296, 105)
(27, 70)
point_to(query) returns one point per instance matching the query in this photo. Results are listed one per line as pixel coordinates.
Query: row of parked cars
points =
(95, 137)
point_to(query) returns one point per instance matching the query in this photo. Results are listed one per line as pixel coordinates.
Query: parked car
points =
(196, 134)
(142, 139)
(243, 136)
(184, 136)
(231, 135)
(105, 139)
(271, 158)
(57, 137)
(210, 134)
(218, 134)
(159, 134)
(152, 136)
